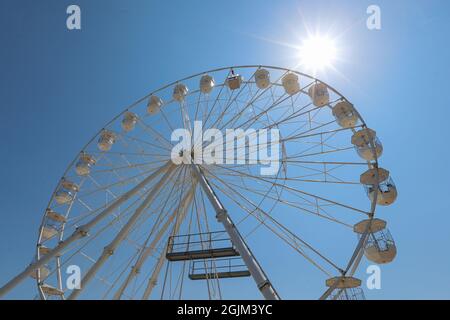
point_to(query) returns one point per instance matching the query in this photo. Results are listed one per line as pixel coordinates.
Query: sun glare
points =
(317, 53)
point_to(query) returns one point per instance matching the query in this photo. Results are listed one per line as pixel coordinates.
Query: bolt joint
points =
(83, 231)
(221, 215)
(109, 251)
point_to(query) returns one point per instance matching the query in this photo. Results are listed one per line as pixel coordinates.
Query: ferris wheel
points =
(140, 225)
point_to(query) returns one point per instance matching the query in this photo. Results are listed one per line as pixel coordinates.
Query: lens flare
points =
(317, 53)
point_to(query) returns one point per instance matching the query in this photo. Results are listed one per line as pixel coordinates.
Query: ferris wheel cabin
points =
(383, 187)
(363, 140)
(84, 164)
(318, 93)
(179, 92)
(234, 81)
(129, 121)
(291, 83)
(262, 78)
(66, 192)
(154, 105)
(106, 140)
(206, 84)
(345, 114)
(380, 246)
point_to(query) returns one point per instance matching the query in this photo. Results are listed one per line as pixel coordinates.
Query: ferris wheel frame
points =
(82, 231)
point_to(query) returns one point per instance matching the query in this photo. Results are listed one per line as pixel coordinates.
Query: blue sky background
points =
(58, 87)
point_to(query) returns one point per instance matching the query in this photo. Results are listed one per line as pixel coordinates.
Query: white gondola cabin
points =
(66, 192)
(345, 114)
(179, 92)
(319, 95)
(129, 121)
(380, 246)
(206, 84)
(291, 83)
(383, 187)
(234, 81)
(262, 78)
(106, 140)
(363, 140)
(84, 164)
(154, 105)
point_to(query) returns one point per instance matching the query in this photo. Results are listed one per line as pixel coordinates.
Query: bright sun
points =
(317, 53)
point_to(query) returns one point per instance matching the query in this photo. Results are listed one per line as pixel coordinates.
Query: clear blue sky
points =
(58, 87)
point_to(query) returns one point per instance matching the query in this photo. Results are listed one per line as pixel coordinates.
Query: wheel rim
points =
(140, 154)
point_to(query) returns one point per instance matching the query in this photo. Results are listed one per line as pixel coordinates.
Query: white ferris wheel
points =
(140, 226)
